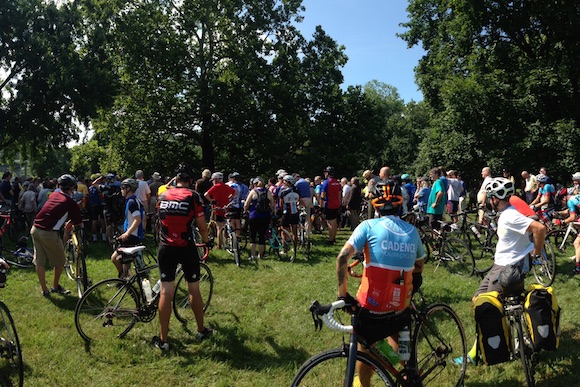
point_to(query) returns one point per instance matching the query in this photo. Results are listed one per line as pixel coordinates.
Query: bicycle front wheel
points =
(181, 303)
(439, 347)
(71, 260)
(11, 365)
(82, 276)
(108, 309)
(328, 368)
(458, 257)
(545, 269)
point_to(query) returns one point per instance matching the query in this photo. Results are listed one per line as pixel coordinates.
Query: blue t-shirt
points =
(303, 188)
(133, 208)
(236, 200)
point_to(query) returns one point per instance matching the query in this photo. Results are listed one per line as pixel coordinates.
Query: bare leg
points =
(165, 298)
(196, 304)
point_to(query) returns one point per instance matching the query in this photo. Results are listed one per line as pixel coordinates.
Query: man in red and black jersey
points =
(177, 209)
(58, 209)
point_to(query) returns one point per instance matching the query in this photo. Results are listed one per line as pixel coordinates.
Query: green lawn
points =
(263, 330)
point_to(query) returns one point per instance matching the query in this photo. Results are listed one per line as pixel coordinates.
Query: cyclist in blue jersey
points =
(303, 189)
(544, 200)
(393, 263)
(572, 211)
(289, 201)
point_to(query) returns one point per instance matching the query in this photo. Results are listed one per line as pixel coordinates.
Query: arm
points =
(248, 201)
(342, 268)
(538, 231)
(132, 227)
(438, 198)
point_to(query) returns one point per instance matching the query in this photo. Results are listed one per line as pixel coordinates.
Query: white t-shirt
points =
(482, 193)
(455, 189)
(142, 191)
(513, 239)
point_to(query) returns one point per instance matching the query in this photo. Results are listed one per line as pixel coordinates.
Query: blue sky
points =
(367, 29)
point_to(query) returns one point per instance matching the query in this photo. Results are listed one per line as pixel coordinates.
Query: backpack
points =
(543, 317)
(492, 328)
(115, 203)
(262, 203)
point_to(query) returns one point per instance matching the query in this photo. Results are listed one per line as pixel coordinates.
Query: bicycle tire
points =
(212, 231)
(71, 260)
(426, 241)
(486, 256)
(11, 365)
(545, 271)
(181, 304)
(82, 276)
(328, 368)
(107, 309)
(439, 338)
(526, 359)
(556, 238)
(457, 257)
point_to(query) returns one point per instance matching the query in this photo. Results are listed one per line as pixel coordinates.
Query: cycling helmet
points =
(290, 179)
(184, 171)
(576, 176)
(329, 169)
(131, 183)
(67, 181)
(405, 177)
(387, 198)
(235, 176)
(541, 178)
(500, 187)
(217, 176)
(258, 179)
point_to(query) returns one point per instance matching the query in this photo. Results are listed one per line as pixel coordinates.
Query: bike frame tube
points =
(352, 349)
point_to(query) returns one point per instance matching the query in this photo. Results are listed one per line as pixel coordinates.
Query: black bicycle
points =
(11, 364)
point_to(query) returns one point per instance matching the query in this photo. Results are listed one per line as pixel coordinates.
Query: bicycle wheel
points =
(71, 260)
(11, 365)
(212, 231)
(181, 304)
(108, 309)
(487, 253)
(81, 272)
(438, 339)
(556, 238)
(328, 368)
(458, 257)
(525, 354)
(426, 240)
(545, 269)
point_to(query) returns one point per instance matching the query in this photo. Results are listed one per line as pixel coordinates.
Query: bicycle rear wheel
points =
(545, 269)
(458, 257)
(181, 303)
(439, 338)
(525, 354)
(108, 309)
(11, 365)
(328, 368)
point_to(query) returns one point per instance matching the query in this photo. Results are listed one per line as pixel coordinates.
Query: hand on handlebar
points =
(350, 303)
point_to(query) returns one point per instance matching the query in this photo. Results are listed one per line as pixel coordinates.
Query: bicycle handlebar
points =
(325, 313)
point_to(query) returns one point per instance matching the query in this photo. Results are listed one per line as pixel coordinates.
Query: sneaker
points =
(157, 343)
(45, 293)
(201, 336)
(60, 290)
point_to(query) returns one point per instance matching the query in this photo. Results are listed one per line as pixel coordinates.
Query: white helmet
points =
(217, 175)
(541, 178)
(576, 176)
(499, 187)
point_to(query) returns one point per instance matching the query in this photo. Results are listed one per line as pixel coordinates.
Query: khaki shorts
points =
(47, 246)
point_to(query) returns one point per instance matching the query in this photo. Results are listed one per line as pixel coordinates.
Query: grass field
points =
(263, 330)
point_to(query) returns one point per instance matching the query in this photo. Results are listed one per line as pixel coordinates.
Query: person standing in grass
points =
(177, 210)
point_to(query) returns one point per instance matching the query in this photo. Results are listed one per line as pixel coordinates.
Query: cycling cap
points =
(67, 181)
(576, 176)
(500, 187)
(541, 178)
(131, 183)
(184, 171)
(387, 198)
(217, 175)
(290, 179)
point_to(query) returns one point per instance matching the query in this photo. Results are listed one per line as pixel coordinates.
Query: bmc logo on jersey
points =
(174, 205)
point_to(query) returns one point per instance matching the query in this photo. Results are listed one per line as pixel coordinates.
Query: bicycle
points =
(11, 364)
(279, 239)
(560, 237)
(22, 257)
(230, 240)
(9, 226)
(76, 264)
(111, 307)
(303, 234)
(437, 338)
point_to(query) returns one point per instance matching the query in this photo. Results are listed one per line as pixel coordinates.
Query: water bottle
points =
(388, 352)
(147, 290)
(156, 288)
(476, 232)
(405, 344)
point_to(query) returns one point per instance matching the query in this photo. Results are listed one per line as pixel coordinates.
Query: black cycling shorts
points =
(170, 256)
(374, 327)
(288, 219)
(234, 213)
(332, 213)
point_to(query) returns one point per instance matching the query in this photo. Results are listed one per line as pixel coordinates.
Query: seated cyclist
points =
(545, 198)
(390, 246)
(573, 205)
(133, 226)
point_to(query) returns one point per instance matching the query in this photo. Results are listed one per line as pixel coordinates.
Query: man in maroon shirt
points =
(60, 209)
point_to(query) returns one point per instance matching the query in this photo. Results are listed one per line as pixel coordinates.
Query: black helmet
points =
(330, 170)
(131, 183)
(387, 198)
(67, 181)
(184, 172)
